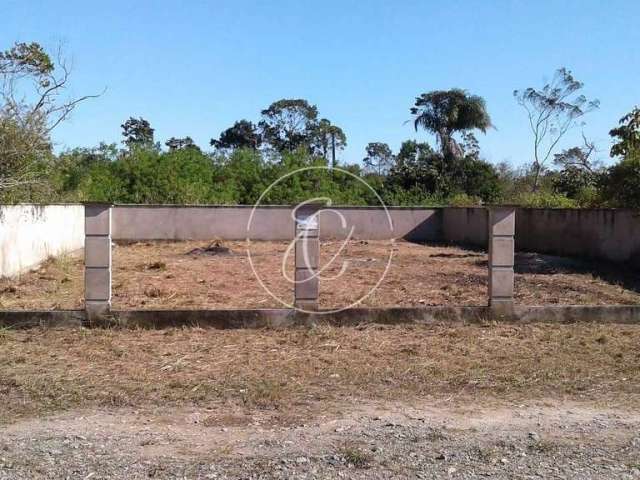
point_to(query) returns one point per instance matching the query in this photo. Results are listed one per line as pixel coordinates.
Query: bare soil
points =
(381, 402)
(182, 275)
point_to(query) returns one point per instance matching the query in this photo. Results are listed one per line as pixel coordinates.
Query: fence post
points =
(97, 260)
(502, 224)
(307, 256)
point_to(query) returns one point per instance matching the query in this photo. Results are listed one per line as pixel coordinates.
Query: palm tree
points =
(445, 112)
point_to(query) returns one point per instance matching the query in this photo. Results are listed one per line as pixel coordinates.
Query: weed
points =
(5, 333)
(263, 393)
(154, 292)
(354, 455)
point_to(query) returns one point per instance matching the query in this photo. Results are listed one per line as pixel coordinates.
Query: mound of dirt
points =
(214, 248)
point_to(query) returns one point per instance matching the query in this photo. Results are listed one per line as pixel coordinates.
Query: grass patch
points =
(43, 371)
(355, 456)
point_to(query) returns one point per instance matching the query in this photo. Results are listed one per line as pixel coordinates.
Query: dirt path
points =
(366, 440)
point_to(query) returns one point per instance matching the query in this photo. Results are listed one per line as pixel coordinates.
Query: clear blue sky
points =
(194, 67)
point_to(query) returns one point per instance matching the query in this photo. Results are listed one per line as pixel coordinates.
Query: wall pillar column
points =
(97, 260)
(502, 223)
(307, 256)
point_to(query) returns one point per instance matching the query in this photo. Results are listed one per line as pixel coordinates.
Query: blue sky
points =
(194, 67)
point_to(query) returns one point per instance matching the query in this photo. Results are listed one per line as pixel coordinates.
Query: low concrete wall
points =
(281, 318)
(144, 222)
(601, 234)
(604, 234)
(31, 233)
(468, 226)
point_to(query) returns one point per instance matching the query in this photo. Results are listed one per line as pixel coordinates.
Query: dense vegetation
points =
(290, 134)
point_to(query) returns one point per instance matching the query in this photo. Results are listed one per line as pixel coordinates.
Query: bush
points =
(464, 200)
(477, 178)
(544, 200)
(621, 184)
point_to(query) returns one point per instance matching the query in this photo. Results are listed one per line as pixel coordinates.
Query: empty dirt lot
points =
(178, 275)
(492, 401)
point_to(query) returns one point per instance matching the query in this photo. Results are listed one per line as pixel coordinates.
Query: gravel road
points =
(364, 441)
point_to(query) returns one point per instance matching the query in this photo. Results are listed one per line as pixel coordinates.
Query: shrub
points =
(621, 185)
(544, 200)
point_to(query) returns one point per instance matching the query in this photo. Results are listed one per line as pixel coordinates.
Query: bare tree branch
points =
(31, 107)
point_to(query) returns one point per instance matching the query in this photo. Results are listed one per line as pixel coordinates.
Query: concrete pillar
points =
(307, 256)
(502, 224)
(97, 259)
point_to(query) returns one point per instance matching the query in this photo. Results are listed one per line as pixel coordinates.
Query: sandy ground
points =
(375, 402)
(365, 441)
(165, 275)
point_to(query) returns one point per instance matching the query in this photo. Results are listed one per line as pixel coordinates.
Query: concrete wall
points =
(596, 233)
(137, 222)
(31, 233)
(604, 234)
(466, 226)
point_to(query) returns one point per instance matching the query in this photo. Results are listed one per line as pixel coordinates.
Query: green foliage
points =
(243, 134)
(379, 158)
(476, 178)
(140, 176)
(621, 185)
(417, 166)
(573, 182)
(241, 177)
(27, 59)
(32, 105)
(445, 112)
(325, 136)
(288, 124)
(427, 174)
(464, 200)
(179, 143)
(240, 170)
(25, 155)
(137, 133)
(78, 170)
(627, 135)
(544, 199)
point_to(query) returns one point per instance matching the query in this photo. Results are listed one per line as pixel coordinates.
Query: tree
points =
(446, 112)
(325, 138)
(288, 124)
(417, 166)
(379, 158)
(476, 178)
(620, 186)
(179, 143)
(552, 112)
(243, 134)
(137, 132)
(580, 158)
(579, 172)
(76, 169)
(627, 134)
(32, 105)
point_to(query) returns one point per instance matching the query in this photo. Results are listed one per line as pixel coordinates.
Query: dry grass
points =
(299, 370)
(164, 275)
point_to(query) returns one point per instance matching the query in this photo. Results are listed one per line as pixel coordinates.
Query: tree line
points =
(289, 134)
